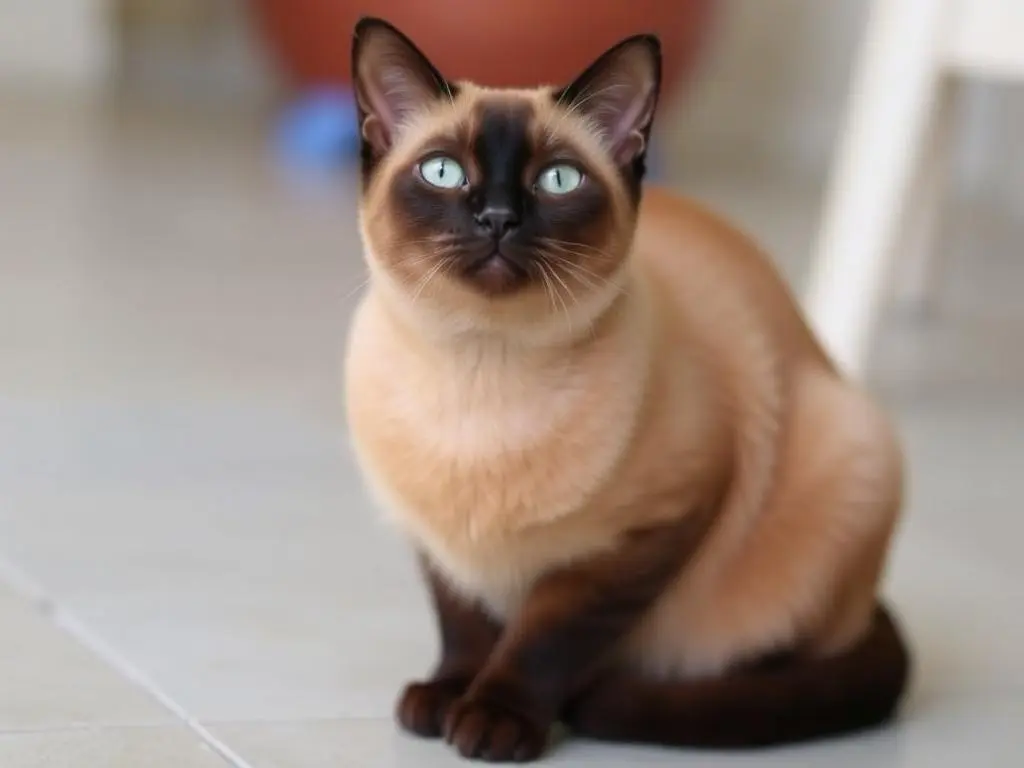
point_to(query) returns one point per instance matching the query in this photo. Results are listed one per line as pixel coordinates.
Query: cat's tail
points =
(789, 702)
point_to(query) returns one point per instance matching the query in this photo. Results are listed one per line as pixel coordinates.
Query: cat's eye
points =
(560, 179)
(442, 171)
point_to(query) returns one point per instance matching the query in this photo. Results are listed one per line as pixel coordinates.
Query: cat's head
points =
(489, 207)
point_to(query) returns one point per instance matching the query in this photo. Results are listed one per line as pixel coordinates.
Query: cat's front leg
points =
(570, 624)
(468, 636)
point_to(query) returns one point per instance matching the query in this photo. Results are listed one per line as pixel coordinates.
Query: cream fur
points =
(694, 382)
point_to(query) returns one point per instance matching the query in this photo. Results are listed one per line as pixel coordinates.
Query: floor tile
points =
(49, 680)
(108, 748)
(228, 552)
(939, 731)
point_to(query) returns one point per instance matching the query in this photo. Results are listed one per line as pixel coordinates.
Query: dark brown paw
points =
(423, 707)
(482, 729)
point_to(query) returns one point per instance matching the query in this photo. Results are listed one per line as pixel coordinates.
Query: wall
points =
(61, 44)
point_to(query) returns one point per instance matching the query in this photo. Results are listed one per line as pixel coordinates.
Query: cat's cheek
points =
(588, 228)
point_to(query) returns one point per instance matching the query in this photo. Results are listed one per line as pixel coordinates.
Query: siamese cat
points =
(646, 504)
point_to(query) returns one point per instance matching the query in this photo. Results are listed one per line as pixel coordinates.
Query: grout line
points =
(27, 587)
(120, 664)
(24, 585)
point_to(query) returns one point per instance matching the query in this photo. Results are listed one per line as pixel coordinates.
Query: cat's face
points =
(501, 203)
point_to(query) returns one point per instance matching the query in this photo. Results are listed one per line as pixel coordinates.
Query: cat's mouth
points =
(496, 273)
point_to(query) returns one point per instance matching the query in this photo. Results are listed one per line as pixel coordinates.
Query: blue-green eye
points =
(560, 179)
(443, 172)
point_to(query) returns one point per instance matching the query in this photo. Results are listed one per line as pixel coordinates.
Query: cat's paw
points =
(483, 728)
(423, 707)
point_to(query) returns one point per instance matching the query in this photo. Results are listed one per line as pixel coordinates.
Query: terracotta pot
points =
(494, 42)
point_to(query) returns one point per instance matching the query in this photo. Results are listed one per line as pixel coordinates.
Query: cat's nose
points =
(497, 221)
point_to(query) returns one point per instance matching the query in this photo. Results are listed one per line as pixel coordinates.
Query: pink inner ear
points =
(625, 137)
(376, 134)
(629, 148)
(387, 94)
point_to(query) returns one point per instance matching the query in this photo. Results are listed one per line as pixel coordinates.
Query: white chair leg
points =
(916, 255)
(894, 88)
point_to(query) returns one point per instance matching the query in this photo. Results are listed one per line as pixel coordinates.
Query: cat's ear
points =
(618, 93)
(392, 80)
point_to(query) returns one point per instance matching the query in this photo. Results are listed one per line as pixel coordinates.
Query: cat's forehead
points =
(489, 120)
(492, 116)
(481, 99)
(496, 119)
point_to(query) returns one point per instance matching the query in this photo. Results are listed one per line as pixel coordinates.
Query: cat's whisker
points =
(439, 242)
(416, 261)
(565, 285)
(427, 279)
(591, 328)
(568, 244)
(582, 249)
(442, 239)
(590, 281)
(353, 291)
(561, 252)
(545, 267)
(407, 261)
(577, 271)
(548, 290)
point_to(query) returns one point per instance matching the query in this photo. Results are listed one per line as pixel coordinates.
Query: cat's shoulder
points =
(674, 223)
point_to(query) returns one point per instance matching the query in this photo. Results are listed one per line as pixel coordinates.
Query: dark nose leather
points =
(498, 222)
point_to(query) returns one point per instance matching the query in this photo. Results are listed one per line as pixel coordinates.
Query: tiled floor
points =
(195, 575)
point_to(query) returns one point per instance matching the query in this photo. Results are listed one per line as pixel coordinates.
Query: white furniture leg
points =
(915, 255)
(894, 88)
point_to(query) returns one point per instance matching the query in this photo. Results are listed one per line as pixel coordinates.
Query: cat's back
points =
(711, 272)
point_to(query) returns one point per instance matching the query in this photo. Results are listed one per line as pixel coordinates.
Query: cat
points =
(645, 503)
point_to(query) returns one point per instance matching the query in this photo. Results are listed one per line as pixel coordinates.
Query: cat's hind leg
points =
(797, 699)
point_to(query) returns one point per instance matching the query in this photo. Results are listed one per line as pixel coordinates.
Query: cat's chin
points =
(495, 275)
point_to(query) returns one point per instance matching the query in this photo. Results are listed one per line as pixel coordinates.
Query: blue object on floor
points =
(319, 129)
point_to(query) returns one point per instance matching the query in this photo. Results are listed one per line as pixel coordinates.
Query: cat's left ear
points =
(392, 80)
(619, 95)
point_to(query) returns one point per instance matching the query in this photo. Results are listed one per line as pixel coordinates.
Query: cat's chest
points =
(492, 464)
(469, 460)
(492, 481)
(484, 491)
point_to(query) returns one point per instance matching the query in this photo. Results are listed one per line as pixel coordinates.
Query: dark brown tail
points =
(791, 702)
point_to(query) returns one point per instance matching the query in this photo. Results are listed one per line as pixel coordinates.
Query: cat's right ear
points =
(618, 94)
(392, 80)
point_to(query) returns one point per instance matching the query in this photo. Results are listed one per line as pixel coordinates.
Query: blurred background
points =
(182, 532)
